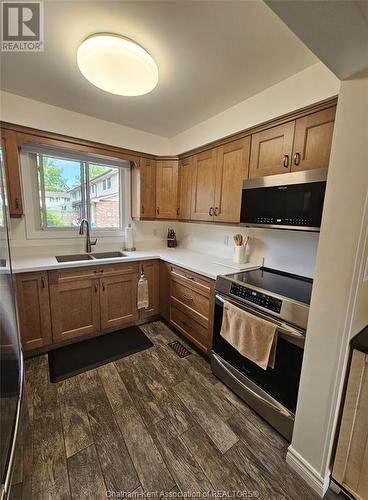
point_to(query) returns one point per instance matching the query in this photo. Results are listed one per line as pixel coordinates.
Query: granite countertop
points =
(207, 265)
(360, 341)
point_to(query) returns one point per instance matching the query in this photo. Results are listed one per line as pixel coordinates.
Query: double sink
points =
(90, 256)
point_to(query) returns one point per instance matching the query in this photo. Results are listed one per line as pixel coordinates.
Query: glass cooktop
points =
(269, 280)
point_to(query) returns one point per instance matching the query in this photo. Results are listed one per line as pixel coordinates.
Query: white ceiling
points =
(211, 55)
(336, 31)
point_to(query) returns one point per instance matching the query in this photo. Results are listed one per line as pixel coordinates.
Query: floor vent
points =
(180, 350)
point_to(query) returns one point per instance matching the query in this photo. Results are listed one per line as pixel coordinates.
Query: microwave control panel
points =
(259, 298)
(287, 221)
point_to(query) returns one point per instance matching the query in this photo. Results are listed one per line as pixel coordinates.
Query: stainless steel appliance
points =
(11, 361)
(283, 299)
(286, 201)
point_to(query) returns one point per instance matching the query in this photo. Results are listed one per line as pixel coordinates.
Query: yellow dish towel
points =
(255, 338)
(142, 294)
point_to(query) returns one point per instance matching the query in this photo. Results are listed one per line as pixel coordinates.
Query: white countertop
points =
(207, 265)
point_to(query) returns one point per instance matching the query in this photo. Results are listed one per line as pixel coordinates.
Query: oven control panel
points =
(258, 298)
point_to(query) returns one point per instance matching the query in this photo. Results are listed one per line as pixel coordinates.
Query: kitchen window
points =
(72, 186)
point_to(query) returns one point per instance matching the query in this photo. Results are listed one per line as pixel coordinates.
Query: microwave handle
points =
(286, 329)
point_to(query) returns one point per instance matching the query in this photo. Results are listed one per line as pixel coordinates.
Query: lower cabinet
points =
(34, 310)
(187, 303)
(75, 308)
(151, 271)
(118, 299)
(63, 305)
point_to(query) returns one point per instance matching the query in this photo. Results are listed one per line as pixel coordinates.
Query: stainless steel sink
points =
(73, 258)
(108, 255)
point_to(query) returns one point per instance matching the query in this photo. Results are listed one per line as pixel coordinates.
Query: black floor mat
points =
(77, 358)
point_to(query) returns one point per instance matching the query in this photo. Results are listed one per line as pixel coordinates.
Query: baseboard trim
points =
(307, 472)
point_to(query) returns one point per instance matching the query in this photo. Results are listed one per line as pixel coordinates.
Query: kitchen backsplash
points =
(290, 251)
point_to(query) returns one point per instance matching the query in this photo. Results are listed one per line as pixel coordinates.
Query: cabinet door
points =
(271, 150)
(164, 290)
(34, 310)
(12, 168)
(148, 187)
(166, 189)
(185, 188)
(232, 169)
(151, 272)
(75, 309)
(203, 185)
(313, 139)
(118, 301)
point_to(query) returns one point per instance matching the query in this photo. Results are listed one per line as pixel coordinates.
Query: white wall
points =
(338, 289)
(30, 113)
(289, 251)
(311, 85)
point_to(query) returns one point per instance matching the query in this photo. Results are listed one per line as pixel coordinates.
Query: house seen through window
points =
(70, 190)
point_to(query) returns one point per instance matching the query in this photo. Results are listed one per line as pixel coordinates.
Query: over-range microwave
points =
(285, 201)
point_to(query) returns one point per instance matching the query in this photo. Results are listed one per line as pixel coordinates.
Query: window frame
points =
(31, 188)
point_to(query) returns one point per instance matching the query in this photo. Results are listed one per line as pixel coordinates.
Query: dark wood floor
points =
(149, 422)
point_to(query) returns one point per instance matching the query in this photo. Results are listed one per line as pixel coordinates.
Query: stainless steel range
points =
(280, 298)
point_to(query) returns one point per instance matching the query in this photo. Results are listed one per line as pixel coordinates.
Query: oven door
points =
(278, 386)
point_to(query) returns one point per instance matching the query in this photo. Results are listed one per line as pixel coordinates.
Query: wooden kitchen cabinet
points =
(185, 188)
(164, 290)
(351, 460)
(144, 188)
(118, 300)
(12, 169)
(232, 169)
(271, 150)
(151, 271)
(75, 307)
(34, 310)
(166, 189)
(313, 139)
(203, 185)
(191, 299)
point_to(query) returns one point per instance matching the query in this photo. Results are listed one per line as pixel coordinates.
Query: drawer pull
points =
(43, 282)
(185, 324)
(187, 297)
(189, 277)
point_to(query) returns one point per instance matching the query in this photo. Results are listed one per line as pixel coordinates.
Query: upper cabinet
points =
(301, 144)
(217, 181)
(272, 150)
(185, 188)
(12, 168)
(148, 187)
(144, 188)
(313, 139)
(232, 169)
(167, 189)
(203, 185)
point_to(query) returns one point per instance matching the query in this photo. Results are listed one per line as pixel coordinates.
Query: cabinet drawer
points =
(195, 332)
(197, 304)
(188, 277)
(78, 273)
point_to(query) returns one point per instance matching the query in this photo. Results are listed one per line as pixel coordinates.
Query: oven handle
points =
(274, 406)
(283, 327)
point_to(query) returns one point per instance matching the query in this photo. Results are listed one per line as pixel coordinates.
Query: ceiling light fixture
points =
(117, 65)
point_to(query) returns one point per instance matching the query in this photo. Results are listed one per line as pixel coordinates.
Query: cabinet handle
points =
(188, 297)
(178, 211)
(103, 287)
(216, 212)
(188, 277)
(96, 288)
(185, 324)
(296, 158)
(16, 203)
(43, 282)
(142, 209)
(286, 161)
(158, 210)
(210, 211)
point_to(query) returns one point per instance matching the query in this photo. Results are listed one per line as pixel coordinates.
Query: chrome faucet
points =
(89, 243)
